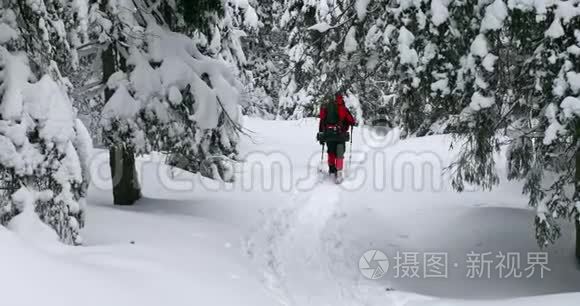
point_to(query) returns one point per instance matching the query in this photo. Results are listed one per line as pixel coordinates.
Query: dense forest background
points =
(177, 76)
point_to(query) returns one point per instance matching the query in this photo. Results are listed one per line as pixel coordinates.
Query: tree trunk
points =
(126, 189)
(577, 196)
(577, 239)
(577, 188)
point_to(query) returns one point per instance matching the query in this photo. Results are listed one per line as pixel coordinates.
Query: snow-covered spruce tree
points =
(242, 37)
(266, 62)
(301, 84)
(375, 84)
(45, 149)
(169, 92)
(222, 46)
(448, 33)
(558, 78)
(222, 40)
(38, 133)
(493, 72)
(428, 43)
(312, 52)
(228, 31)
(348, 45)
(51, 30)
(395, 57)
(484, 70)
(520, 79)
(478, 94)
(525, 71)
(357, 58)
(228, 75)
(411, 51)
(116, 28)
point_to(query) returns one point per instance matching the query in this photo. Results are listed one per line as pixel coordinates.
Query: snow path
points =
(304, 251)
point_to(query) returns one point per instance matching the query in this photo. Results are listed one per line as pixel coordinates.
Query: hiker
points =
(335, 121)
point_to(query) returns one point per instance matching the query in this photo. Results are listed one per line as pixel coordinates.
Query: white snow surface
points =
(27, 225)
(286, 238)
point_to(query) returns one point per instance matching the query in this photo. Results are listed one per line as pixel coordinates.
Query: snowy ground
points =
(284, 237)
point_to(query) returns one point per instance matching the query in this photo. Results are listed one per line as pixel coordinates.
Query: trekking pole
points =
(320, 168)
(350, 147)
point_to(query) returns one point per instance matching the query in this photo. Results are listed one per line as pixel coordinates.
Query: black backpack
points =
(332, 118)
(332, 113)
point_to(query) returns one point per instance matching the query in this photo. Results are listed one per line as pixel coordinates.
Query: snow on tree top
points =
(439, 11)
(121, 105)
(571, 107)
(555, 30)
(495, 14)
(47, 102)
(7, 33)
(361, 8)
(320, 27)
(479, 46)
(478, 101)
(350, 43)
(145, 80)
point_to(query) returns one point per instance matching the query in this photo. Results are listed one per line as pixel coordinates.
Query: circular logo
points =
(373, 264)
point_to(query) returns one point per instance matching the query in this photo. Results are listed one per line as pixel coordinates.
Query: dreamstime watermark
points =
(400, 171)
(375, 168)
(374, 264)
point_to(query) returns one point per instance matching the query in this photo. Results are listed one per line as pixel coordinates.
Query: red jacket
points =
(344, 116)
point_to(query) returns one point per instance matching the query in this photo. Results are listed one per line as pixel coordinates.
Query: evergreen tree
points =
(492, 72)
(267, 61)
(168, 92)
(516, 85)
(528, 88)
(44, 148)
(296, 97)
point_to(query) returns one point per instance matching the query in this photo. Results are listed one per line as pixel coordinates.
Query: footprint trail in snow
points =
(304, 251)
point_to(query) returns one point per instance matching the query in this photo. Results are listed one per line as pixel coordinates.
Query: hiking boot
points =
(331, 170)
(339, 177)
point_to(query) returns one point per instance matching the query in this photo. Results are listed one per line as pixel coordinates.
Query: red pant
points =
(336, 154)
